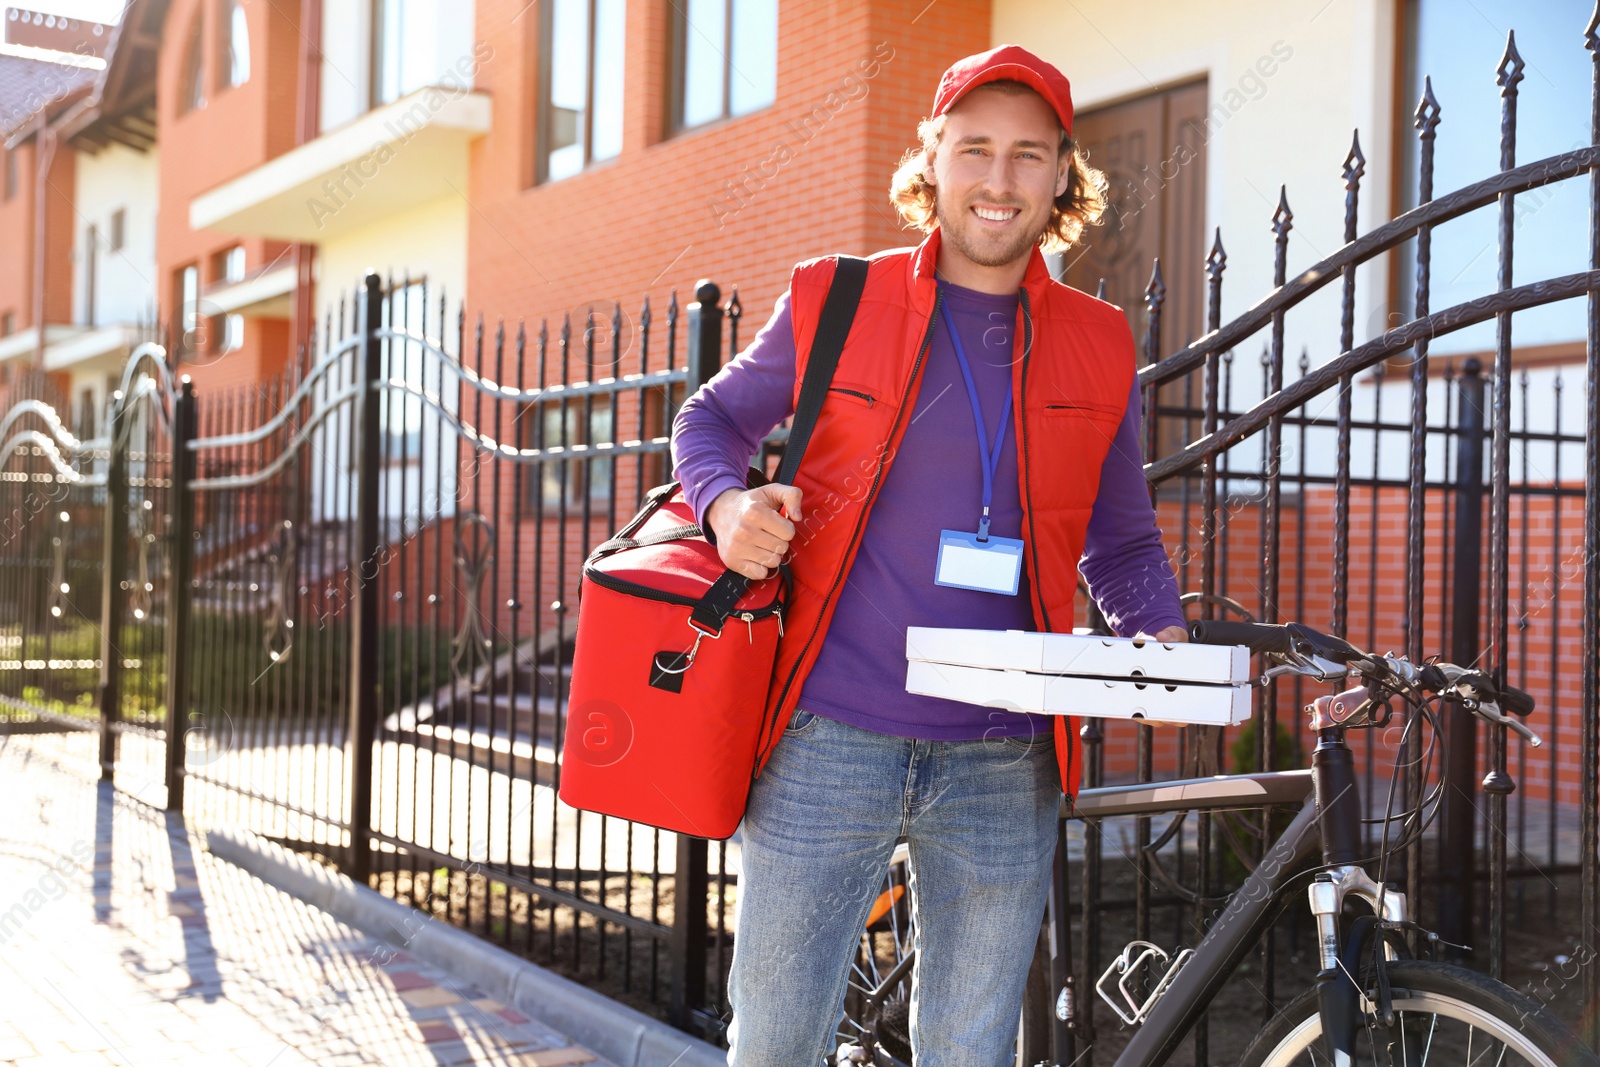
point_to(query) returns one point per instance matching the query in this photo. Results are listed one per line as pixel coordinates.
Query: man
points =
(980, 410)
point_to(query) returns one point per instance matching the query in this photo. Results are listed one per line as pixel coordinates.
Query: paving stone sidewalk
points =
(123, 942)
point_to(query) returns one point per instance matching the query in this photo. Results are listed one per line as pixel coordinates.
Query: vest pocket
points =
(1091, 410)
(860, 396)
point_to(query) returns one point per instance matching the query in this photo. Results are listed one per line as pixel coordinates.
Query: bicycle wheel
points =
(1444, 1015)
(887, 942)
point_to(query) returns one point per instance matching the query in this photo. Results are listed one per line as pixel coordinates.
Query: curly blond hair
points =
(1081, 205)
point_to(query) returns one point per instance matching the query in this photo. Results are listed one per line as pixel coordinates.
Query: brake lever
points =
(1471, 698)
(1489, 711)
(1322, 670)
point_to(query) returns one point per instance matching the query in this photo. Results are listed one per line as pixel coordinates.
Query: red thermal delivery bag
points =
(652, 736)
(675, 652)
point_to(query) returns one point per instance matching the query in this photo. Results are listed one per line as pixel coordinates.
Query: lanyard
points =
(989, 458)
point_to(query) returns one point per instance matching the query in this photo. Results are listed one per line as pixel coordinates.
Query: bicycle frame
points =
(1249, 911)
(1245, 918)
(1326, 830)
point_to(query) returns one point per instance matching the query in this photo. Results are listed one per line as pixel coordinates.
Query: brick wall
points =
(60, 222)
(740, 201)
(18, 222)
(16, 243)
(239, 129)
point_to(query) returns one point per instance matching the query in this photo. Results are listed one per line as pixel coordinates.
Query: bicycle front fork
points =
(1339, 979)
(1339, 819)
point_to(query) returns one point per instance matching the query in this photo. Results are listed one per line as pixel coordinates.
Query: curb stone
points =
(618, 1033)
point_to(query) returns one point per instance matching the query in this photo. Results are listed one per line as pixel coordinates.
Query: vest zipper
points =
(1027, 486)
(1033, 540)
(877, 479)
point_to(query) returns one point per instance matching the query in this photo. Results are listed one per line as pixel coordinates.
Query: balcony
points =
(389, 160)
(24, 342)
(264, 294)
(80, 344)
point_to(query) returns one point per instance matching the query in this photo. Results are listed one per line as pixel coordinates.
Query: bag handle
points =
(838, 313)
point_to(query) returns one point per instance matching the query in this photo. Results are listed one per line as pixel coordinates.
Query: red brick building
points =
(40, 80)
(226, 90)
(739, 199)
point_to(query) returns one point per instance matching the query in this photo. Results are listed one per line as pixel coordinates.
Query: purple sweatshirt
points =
(935, 483)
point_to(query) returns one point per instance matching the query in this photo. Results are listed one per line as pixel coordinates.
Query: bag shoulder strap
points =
(838, 314)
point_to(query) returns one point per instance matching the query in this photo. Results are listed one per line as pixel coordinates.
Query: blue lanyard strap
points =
(989, 458)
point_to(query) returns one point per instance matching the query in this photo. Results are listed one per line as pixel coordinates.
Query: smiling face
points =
(996, 171)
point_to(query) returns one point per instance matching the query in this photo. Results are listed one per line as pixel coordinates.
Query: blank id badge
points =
(990, 566)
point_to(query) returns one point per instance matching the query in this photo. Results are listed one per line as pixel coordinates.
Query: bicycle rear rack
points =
(1127, 968)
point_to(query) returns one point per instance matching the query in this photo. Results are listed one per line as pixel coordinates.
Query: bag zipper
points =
(621, 585)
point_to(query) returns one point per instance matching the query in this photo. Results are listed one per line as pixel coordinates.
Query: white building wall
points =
(426, 243)
(125, 280)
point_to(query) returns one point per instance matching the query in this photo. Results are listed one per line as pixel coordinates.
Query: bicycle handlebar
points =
(1516, 700)
(1306, 651)
(1258, 636)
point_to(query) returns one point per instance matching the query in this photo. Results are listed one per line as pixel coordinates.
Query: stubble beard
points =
(959, 235)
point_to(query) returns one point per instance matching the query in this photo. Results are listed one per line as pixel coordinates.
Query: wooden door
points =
(1153, 152)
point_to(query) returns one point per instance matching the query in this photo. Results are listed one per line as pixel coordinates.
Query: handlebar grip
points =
(1259, 636)
(1514, 699)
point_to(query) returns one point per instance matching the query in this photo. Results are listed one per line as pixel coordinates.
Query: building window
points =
(11, 173)
(403, 59)
(91, 260)
(725, 59)
(401, 416)
(230, 264)
(191, 324)
(235, 50)
(192, 90)
(118, 221)
(8, 324)
(86, 415)
(228, 267)
(564, 425)
(580, 114)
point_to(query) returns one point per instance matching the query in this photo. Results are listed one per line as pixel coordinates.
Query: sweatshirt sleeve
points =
(721, 426)
(1124, 561)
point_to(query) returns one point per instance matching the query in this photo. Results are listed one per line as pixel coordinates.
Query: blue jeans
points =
(979, 818)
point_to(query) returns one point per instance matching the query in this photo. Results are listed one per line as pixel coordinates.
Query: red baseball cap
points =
(1008, 62)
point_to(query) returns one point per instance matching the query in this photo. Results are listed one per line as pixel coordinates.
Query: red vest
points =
(1070, 383)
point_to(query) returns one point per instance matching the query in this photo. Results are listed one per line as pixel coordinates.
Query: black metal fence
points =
(1353, 495)
(336, 607)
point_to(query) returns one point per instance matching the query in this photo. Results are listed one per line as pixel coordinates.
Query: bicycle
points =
(1371, 1001)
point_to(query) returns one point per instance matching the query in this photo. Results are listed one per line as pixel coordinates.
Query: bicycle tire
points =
(1439, 1008)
